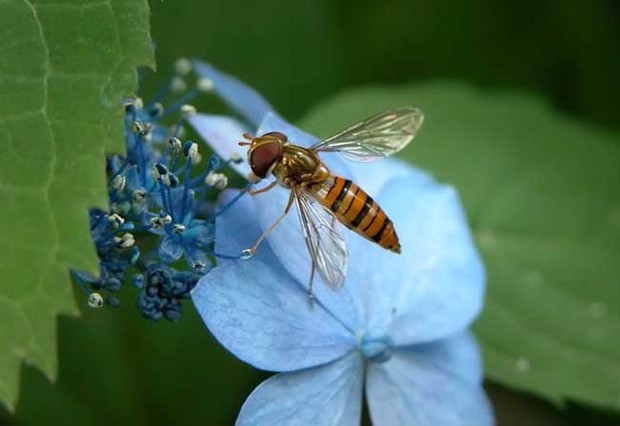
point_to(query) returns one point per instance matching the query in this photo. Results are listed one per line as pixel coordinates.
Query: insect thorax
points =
(301, 165)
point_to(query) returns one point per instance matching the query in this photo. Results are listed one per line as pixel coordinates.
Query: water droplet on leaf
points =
(522, 365)
(598, 310)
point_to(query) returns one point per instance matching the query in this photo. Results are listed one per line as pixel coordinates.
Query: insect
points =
(323, 199)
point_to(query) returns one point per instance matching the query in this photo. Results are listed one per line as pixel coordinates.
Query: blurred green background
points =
(116, 368)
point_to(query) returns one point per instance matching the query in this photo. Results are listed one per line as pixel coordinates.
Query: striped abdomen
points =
(357, 210)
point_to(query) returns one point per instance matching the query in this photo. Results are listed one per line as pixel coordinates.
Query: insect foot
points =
(247, 254)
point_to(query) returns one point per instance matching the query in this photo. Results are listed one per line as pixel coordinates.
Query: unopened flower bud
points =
(119, 182)
(183, 66)
(188, 110)
(95, 300)
(125, 241)
(177, 85)
(217, 180)
(116, 220)
(175, 144)
(204, 84)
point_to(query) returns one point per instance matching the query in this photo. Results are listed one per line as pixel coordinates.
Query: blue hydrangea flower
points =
(158, 187)
(399, 326)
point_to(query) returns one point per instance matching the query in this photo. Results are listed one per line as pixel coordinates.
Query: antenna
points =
(248, 137)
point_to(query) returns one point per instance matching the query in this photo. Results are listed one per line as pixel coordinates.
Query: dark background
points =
(116, 368)
(298, 53)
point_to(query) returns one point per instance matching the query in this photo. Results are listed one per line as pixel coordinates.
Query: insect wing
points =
(327, 248)
(376, 137)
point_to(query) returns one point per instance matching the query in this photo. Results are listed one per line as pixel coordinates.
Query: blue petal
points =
(436, 286)
(272, 122)
(202, 232)
(258, 313)
(236, 229)
(170, 250)
(177, 197)
(134, 180)
(264, 288)
(241, 97)
(434, 384)
(457, 355)
(327, 395)
(372, 177)
(222, 133)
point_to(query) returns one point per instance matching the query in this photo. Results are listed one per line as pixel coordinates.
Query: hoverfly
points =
(323, 199)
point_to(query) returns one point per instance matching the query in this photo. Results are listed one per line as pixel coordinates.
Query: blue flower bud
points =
(214, 162)
(113, 301)
(161, 169)
(137, 280)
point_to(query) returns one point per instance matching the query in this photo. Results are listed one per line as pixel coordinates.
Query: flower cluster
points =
(398, 327)
(158, 213)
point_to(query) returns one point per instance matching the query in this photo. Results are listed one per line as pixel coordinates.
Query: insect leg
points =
(310, 294)
(265, 189)
(272, 227)
(305, 226)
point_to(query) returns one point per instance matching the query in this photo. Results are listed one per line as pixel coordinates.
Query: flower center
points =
(376, 345)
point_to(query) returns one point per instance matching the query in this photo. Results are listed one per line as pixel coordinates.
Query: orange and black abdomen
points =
(357, 210)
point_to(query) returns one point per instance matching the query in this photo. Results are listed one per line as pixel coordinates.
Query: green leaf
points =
(542, 193)
(517, 408)
(64, 68)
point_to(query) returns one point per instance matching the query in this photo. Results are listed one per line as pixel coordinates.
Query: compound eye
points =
(264, 156)
(277, 135)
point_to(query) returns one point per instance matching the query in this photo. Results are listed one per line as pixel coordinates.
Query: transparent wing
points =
(376, 137)
(327, 248)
